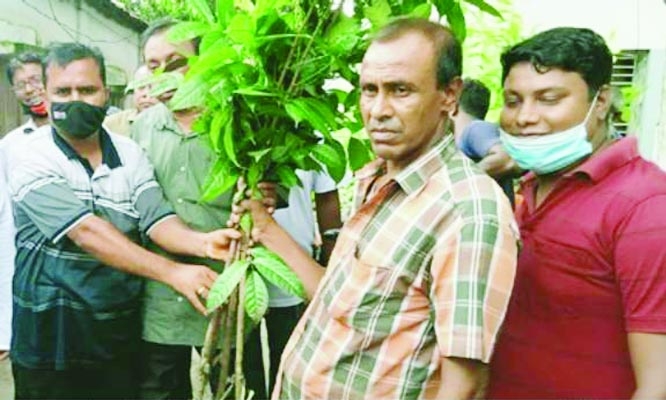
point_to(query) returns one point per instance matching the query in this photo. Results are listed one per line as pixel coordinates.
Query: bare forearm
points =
(102, 240)
(648, 351)
(278, 240)
(175, 237)
(328, 219)
(462, 379)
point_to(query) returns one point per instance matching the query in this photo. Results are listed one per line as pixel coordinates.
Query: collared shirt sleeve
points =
(640, 264)
(472, 274)
(148, 198)
(41, 192)
(6, 259)
(323, 183)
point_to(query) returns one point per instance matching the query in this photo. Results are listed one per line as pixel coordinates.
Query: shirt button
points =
(179, 299)
(179, 201)
(182, 169)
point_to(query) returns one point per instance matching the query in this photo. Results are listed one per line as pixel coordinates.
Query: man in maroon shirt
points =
(588, 313)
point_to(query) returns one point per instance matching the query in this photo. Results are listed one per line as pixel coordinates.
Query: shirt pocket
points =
(359, 292)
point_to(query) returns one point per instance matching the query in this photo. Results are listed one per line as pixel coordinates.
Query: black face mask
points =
(77, 118)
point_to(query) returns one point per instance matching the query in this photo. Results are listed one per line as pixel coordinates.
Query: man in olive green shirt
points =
(182, 159)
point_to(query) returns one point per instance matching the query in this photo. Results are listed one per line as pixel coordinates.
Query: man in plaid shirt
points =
(417, 287)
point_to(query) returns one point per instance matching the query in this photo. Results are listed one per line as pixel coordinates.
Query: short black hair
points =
(160, 26)
(447, 47)
(19, 61)
(62, 54)
(474, 98)
(578, 50)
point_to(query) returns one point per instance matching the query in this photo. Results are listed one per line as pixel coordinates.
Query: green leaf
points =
(225, 11)
(217, 56)
(274, 269)
(378, 13)
(314, 111)
(219, 121)
(228, 141)
(329, 155)
(359, 154)
(485, 7)
(256, 296)
(246, 222)
(220, 179)
(185, 31)
(241, 29)
(258, 154)
(443, 6)
(209, 39)
(254, 174)
(201, 6)
(192, 93)
(288, 176)
(421, 11)
(225, 284)
(343, 36)
(253, 92)
(165, 82)
(456, 20)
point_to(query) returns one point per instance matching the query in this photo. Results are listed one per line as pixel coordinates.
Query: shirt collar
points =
(608, 160)
(29, 126)
(110, 155)
(166, 120)
(415, 176)
(599, 165)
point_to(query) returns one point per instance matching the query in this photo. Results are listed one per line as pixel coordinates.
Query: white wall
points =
(625, 24)
(45, 21)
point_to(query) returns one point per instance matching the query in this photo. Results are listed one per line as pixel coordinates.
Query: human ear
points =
(603, 104)
(449, 96)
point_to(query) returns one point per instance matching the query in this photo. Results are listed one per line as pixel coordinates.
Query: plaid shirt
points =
(423, 270)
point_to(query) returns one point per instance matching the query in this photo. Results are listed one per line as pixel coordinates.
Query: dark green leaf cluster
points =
(260, 76)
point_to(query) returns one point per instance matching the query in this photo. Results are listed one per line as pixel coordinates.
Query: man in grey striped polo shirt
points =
(84, 199)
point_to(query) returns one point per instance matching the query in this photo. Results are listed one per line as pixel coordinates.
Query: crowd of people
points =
(436, 286)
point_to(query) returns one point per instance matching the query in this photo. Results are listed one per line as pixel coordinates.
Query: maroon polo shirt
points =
(592, 269)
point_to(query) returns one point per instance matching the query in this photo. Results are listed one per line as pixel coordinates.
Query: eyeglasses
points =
(34, 81)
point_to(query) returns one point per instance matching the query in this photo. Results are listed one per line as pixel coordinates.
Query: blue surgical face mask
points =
(545, 154)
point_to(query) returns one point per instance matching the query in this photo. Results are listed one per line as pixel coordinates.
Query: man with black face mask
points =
(83, 199)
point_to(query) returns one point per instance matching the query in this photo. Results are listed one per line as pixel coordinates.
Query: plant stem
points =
(206, 353)
(212, 333)
(240, 341)
(225, 358)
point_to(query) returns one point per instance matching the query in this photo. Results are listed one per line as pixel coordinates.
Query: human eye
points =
(35, 81)
(368, 89)
(88, 90)
(549, 99)
(62, 91)
(511, 101)
(401, 90)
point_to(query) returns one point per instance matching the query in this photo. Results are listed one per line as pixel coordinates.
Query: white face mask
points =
(545, 154)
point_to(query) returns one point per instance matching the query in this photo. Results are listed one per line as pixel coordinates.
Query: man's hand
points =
(216, 243)
(4, 354)
(261, 217)
(270, 195)
(193, 282)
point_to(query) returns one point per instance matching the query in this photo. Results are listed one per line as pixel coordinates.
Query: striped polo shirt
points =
(69, 308)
